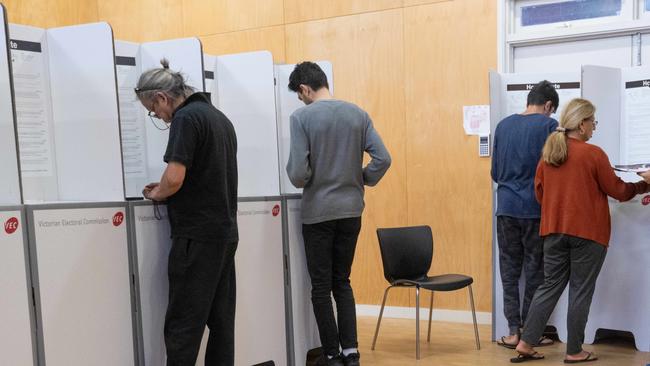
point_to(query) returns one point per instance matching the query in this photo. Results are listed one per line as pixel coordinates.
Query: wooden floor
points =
(453, 344)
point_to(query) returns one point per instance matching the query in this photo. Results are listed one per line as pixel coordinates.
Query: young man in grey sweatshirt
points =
(328, 140)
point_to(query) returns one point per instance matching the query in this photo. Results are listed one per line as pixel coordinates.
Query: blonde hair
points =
(556, 150)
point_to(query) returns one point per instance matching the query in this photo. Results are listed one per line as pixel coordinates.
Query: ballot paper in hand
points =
(633, 168)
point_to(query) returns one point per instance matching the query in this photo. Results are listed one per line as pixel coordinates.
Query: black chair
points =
(406, 253)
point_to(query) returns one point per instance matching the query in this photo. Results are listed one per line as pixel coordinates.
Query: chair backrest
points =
(405, 252)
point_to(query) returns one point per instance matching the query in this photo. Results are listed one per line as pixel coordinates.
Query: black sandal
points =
(524, 357)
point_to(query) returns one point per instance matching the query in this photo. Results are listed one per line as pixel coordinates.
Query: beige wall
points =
(412, 64)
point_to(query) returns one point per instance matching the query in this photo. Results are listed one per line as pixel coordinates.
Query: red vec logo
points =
(118, 218)
(276, 210)
(11, 225)
(646, 200)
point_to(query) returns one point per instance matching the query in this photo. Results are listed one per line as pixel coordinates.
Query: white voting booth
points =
(67, 114)
(245, 93)
(303, 323)
(16, 335)
(242, 87)
(69, 143)
(622, 297)
(144, 141)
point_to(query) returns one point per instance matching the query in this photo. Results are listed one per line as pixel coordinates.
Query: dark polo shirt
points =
(203, 140)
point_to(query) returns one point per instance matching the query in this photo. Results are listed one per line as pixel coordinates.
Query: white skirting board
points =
(443, 315)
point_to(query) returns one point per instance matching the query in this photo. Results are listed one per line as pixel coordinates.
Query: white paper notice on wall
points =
(476, 119)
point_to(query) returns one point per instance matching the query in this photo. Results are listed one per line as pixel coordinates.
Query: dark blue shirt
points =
(518, 143)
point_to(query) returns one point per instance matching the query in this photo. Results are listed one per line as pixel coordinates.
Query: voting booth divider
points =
(621, 97)
(144, 139)
(88, 269)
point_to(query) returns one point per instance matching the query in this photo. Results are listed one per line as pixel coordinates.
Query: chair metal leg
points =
(417, 323)
(471, 301)
(381, 313)
(430, 312)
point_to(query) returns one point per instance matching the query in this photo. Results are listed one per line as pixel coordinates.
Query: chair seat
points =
(446, 282)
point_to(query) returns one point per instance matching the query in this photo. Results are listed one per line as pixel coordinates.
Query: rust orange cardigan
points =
(574, 195)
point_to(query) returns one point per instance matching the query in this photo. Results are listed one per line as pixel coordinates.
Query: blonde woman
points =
(572, 183)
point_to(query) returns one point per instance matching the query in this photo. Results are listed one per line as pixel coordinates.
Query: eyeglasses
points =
(153, 115)
(592, 120)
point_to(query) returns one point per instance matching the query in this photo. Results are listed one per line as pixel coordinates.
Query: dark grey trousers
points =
(567, 259)
(202, 291)
(520, 247)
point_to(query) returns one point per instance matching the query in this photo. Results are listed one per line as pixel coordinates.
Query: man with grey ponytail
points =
(572, 183)
(518, 142)
(200, 187)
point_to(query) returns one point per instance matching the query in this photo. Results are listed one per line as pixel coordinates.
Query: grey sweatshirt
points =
(328, 139)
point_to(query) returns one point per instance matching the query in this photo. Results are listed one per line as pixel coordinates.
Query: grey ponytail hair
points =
(164, 80)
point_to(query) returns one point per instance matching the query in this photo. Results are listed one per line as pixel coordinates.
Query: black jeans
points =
(520, 246)
(202, 291)
(572, 260)
(329, 247)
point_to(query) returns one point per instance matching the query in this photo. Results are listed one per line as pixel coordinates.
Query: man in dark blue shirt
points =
(518, 143)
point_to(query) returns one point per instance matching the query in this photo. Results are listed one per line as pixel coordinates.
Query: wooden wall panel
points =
(367, 54)
(422, 2)
(143, 20)
(303, 10)
(204, 17)
(447, 61)
(271, 38)
(51, 13)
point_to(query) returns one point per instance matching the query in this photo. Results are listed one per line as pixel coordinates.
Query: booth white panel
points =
(184, 55)
(635, 116)
(603, 87)
(305, 329)
(9, 179)
(246, 92)
(132, 119)
(260, 283)
(16, 330)
(286, 103)
(508, 95)
(621, 300)
(34, 114)
(515, 88)
(569, 56)
(83, 284)
(152, 244)
(260, 329)
(85, 112)
(209, 67)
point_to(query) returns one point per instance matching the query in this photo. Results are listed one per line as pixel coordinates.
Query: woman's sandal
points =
(543, 341)
(590, 357)
(505, 344)
(524, 357)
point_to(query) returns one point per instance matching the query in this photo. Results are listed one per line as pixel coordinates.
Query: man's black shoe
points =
(352, 359)
(334, 361)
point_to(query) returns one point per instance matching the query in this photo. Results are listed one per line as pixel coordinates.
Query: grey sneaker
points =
(352, 359)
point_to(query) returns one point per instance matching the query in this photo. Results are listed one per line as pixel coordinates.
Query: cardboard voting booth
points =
(620, 300)
(150, 243)
(244, 91)
(67, 113)
(17, 337)
(80, 272)
(10, 177)
(71, 168)
(144, 140)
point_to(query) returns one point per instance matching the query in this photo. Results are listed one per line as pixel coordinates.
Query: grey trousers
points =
(520, 247)
(567, 259)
